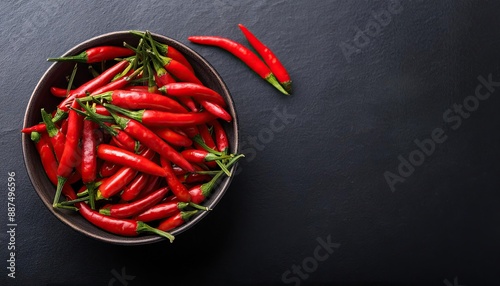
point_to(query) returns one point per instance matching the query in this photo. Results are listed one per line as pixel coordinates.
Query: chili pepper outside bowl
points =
(41, 98)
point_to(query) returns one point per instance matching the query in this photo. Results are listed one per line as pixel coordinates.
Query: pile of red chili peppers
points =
(142, 142)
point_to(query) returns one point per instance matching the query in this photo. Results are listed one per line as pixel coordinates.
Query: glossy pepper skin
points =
(176, 220)
(269, 58)
(126, 158)
(126, 210)
(93, 84)
(125, 227)
(97, 54)
(242, 53)
(149, 139)
(161, 211)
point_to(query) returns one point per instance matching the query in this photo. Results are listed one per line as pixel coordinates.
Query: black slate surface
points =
(373, 81)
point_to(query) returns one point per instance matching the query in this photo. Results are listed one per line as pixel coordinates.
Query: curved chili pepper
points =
(215, 109)
(131, 209)
(40, 128)
(96, 54)
(269, 57)
(57, 138)
(89, 159)
(125, 227)
(115, 183)
(112, 185)
(132, 190)
(197, 91)
(93, 84)
(190, 131)
(70, 157)
(173, 137)
(201, 156)
(139, 100)
(244, 54)
(179, 190)
(125, 141)
(49, 163)
(154, 183)
(220, 135)
(162, 118)
(176, 220)
(108, 169)
(161, 211)
(58, 92)
(149, 139)
(177, 69)
(47, 157)
(126, 158)
(118, 83)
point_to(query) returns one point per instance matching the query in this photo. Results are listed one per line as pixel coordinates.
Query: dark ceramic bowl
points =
(41, 98)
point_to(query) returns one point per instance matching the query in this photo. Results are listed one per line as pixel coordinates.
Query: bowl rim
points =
(215, 196)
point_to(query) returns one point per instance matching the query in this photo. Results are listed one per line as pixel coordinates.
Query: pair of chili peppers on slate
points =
(142, 141)
(269, 68)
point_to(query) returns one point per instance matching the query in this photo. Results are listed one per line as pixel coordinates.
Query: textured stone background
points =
(371, 78)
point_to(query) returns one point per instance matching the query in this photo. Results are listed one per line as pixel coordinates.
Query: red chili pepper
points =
(101, 110)
(149, 139)
(125, 227)
(244, 54)
(49, 163)
(93, 84)
(162, 118)
(176, 220)
(197, 91)
(269, 58)
(108, 169)
(40, 128)
(71, 156)
(114, 184)
(97, 54)
(118, 83)
(172, 137)
(126, 158)
(201, 156)
(58, 92)
(206, 136)
(127, 210)
(161, 211)
(154, 183)
(215, 109)
(191, 131)
(47, 157)
(177, 69)
(179, 190)
(186, 100)
(89, 158)
(139, 100)
(132, 190)
(57, 138)
(125, 141)
(220, 135)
